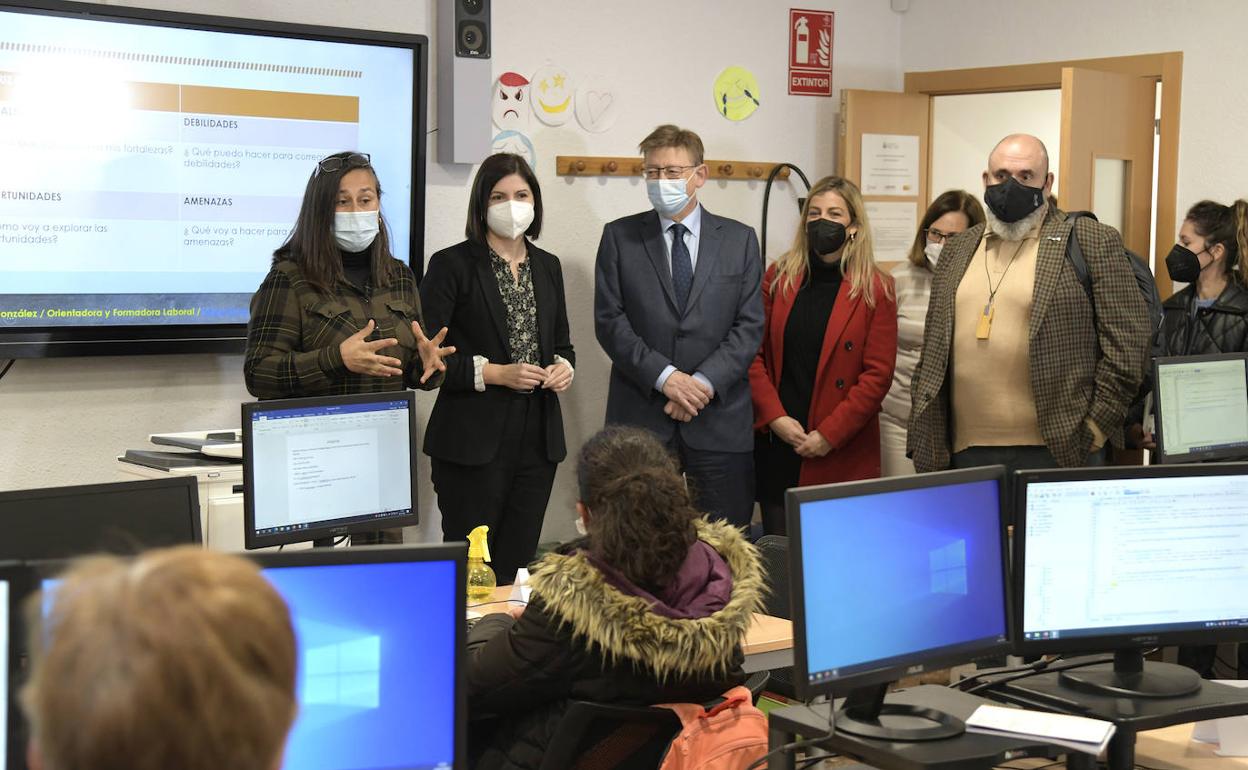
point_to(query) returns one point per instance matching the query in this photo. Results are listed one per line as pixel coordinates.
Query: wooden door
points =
(894, 204)
(1107, 151)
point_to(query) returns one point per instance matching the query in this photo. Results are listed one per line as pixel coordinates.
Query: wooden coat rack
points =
(584, 165)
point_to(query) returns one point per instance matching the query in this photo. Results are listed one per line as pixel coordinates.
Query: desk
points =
(1171, 748)
(768, 644)
(1131, 716)
(969, 751)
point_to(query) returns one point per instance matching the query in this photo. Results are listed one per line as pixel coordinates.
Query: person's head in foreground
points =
(178, 658)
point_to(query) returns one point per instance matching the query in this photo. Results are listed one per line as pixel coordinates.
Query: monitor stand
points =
(1130, 676)
(860, 714)
(324, 542)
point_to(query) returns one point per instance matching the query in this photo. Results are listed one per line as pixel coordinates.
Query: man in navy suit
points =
(677, 307)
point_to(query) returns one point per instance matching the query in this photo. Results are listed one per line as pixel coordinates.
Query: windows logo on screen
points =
(344, 672)
(948, 568)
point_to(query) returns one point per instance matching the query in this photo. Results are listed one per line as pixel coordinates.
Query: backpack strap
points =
(692, 712)
(1075, 254)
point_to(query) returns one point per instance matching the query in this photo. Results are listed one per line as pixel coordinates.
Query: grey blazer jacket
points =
(719, 332)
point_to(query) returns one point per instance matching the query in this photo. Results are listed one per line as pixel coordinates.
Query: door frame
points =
(1165, 68)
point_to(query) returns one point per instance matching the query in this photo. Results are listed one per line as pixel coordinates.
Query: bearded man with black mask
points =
(1018, 367)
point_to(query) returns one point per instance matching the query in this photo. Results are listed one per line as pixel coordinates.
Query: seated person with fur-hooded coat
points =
(651, 607)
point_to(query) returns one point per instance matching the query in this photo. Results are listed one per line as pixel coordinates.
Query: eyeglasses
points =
(336, 162)
(667, 172)
(936, 236)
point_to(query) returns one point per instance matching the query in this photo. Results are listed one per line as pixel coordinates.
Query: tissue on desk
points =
(521, 589)
(1230, 733)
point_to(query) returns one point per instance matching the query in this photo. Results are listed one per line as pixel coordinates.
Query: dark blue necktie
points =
(682, 265)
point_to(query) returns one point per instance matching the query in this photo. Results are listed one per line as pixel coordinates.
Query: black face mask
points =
(824, 236)
(1012, 200)
(1183, 264)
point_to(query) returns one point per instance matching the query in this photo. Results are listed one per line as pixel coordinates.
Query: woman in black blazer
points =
(496, 432)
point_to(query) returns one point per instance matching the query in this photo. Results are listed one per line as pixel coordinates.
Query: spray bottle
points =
(481, 579)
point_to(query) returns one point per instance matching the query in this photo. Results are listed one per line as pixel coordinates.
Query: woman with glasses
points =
(496, 432)
(827, 354)
(951, 213)
(337, 313)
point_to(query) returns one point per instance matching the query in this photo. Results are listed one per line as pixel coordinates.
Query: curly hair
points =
(641, 515)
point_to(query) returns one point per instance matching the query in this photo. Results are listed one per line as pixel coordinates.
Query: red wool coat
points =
(855, 372)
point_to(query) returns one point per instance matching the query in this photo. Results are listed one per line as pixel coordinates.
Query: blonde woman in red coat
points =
(826, 362)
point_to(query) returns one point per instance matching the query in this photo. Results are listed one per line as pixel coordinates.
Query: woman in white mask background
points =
(951, 213)
(338, 314)
(495, 435)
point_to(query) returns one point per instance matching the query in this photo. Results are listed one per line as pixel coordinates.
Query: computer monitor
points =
(321, 467)
(8, 630)
(16, 583)
(1130, 558)
(894, 577)
(1201, 407)
(381, 637)
(122, 518)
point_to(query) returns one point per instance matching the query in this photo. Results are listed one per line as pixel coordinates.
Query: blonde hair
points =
(181, 658)
(857, 259)
(668, 135)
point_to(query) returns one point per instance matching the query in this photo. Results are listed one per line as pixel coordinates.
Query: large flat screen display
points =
(154, 161)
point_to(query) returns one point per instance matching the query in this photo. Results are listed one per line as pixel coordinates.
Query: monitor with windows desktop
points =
(893, 577)
(381, 638)
(1126, 559)
(315, 468)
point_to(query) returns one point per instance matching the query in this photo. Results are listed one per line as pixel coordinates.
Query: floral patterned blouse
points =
(521, 310)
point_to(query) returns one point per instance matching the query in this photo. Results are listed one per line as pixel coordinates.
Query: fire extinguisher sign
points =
(810, 52)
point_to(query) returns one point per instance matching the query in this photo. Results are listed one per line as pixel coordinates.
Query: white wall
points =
(63, 421)
(1213, 158)
(966, 126)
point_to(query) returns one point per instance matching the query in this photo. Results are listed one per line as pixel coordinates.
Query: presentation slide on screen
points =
(150, 172)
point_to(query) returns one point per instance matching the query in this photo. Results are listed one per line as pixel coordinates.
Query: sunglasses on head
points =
(353, 160)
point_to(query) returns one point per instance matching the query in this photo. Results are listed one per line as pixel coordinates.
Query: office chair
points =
(601, 736)
(775, 552)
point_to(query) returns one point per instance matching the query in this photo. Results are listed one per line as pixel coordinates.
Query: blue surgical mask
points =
(355, 230)
(668, 196)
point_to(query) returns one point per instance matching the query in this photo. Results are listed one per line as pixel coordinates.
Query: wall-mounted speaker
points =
(472, 28)
(464, 80)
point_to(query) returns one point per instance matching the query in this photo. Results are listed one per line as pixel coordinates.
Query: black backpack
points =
(1139, 268)
(1148, 289)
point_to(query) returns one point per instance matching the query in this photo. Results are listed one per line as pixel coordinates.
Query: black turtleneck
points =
(803, 337)
(358, 267)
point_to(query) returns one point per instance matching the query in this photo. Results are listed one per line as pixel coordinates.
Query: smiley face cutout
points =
(552, 95)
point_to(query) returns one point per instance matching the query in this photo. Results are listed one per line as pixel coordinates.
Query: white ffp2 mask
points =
(509, 219)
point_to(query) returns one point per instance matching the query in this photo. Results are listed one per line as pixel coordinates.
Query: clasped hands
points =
(362, 357)
(808, 445)
(687, 396)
